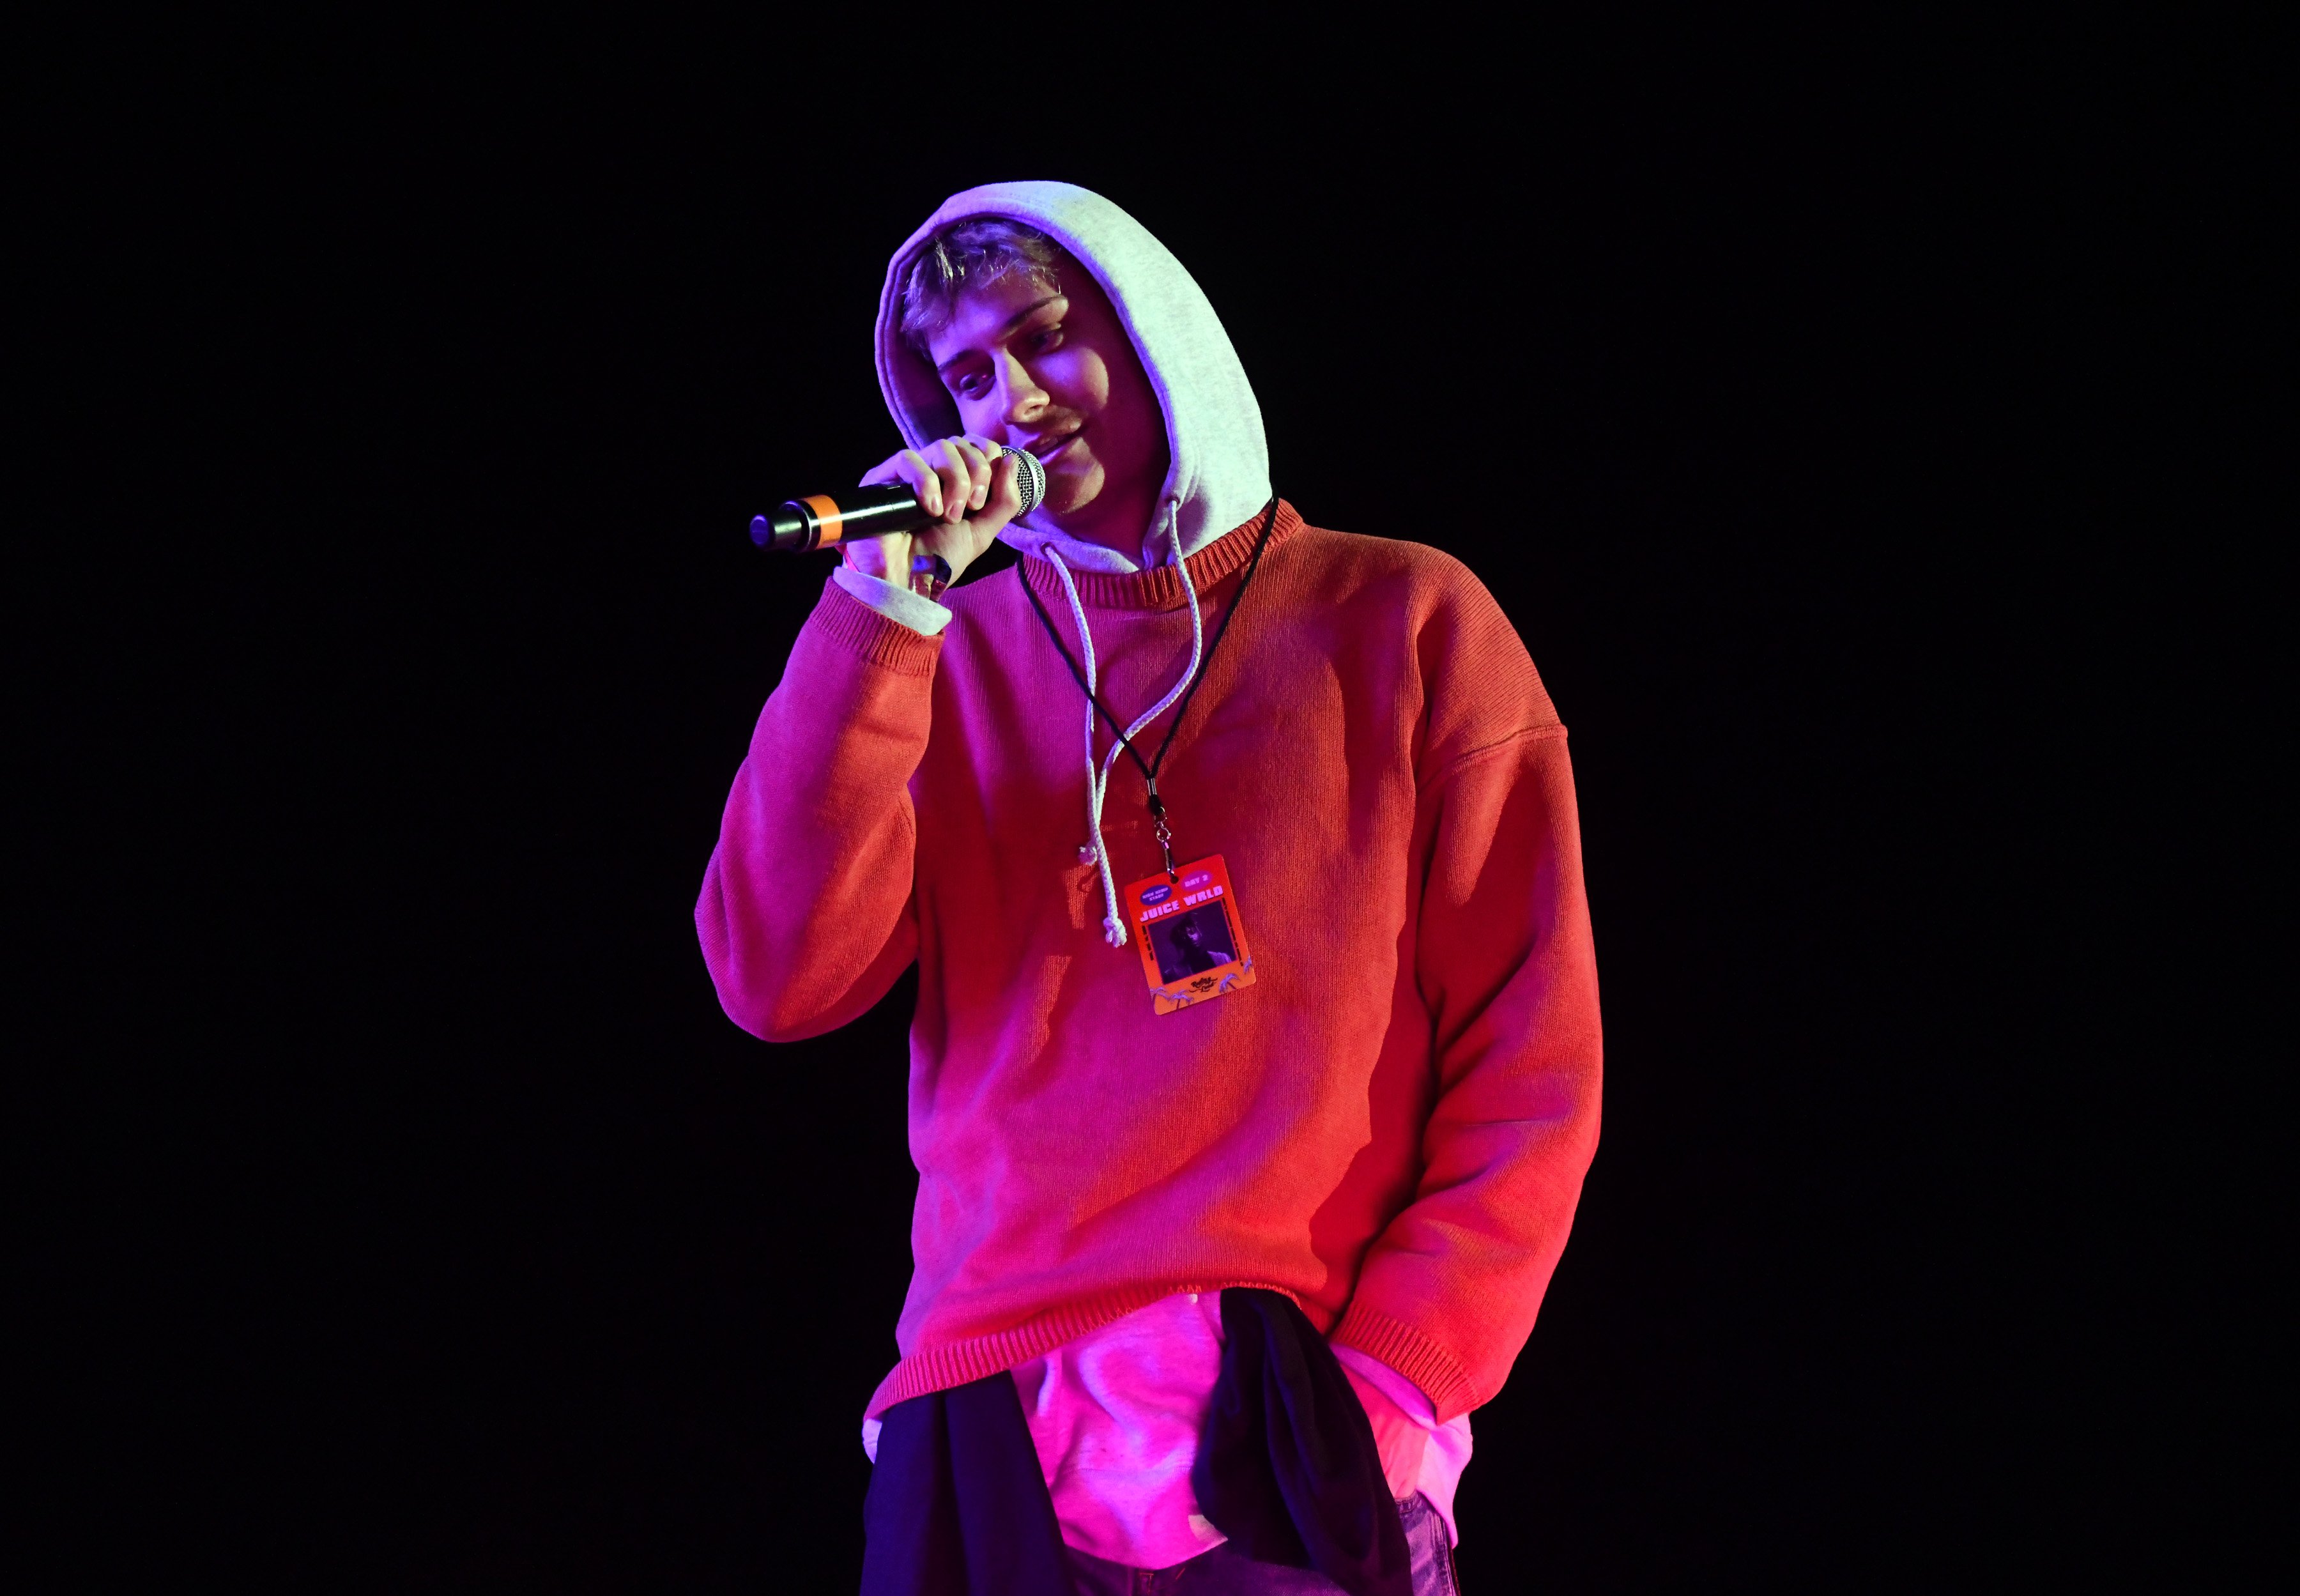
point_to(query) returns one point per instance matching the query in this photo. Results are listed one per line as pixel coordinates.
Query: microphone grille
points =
(1029, 480)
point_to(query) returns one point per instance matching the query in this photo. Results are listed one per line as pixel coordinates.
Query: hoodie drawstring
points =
(1097, 780)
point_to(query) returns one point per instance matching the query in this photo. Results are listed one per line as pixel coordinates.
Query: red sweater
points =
(1391, 1125)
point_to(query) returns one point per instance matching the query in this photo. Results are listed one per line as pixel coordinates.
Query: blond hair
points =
(974, 252)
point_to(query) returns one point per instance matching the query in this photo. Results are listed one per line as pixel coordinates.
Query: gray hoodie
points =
(1220, 475)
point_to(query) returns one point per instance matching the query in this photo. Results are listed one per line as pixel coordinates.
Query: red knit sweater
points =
(1391, 1125)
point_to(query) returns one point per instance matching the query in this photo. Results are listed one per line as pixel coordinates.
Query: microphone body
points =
(826, 519)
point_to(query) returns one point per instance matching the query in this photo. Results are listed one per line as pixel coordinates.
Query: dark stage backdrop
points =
(466, 1246)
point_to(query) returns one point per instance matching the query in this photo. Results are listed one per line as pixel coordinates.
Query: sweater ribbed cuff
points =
(863, 630)
(920, 613)
(1437, 1371)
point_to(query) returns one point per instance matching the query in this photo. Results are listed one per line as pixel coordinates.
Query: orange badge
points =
(1190, 934)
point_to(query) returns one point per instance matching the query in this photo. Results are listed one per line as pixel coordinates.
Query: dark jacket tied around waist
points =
(1286, 1469)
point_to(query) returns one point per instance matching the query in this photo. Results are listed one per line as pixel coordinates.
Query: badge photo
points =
(1190, 934)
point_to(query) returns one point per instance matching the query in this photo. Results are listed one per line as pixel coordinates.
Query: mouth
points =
(1045, 449)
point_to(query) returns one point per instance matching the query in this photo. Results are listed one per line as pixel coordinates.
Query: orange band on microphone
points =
(829, 520)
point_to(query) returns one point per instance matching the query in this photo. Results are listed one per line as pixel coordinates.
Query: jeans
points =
(1222, 1572)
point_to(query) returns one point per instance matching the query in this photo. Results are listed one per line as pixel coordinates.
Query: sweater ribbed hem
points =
(1162, 588)
(863, 630)
(958, 1363)
(1437, 1371)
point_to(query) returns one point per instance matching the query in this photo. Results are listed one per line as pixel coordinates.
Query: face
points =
(1054, 373)
(1190, 929)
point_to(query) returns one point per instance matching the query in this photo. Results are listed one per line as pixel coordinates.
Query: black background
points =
(444, 1235)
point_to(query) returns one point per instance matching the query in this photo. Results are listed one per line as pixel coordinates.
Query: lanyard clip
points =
(1158, 827)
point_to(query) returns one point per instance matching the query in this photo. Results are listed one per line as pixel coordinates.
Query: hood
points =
(1220, 471)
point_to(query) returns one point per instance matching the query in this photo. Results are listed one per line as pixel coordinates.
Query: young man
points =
(1162, 1223)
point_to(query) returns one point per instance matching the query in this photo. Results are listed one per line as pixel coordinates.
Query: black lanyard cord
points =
(1150, 770)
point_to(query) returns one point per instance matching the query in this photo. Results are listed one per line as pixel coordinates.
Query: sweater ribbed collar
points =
(1162, 588)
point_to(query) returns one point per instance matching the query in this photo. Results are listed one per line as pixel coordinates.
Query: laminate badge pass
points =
(1190, 934)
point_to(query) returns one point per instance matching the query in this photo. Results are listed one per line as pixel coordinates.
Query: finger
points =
(1001, 504)
(937, 465)
(982, 456)
(962, 542)
(957, 479)
(925, 484)
(1006, 497)
(978, 471)
(887, 471)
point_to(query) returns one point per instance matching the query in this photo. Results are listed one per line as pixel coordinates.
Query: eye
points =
(1047, 339)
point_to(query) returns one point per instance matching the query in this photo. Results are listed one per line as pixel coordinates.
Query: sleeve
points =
(922, 614)
(1504, 962)
(805, 917)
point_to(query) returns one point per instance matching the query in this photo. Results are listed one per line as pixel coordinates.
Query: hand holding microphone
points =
(950, 500)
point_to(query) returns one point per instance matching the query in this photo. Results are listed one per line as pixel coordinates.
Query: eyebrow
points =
(1012, 322)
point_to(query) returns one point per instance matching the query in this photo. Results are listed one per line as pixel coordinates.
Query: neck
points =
(1119, 521)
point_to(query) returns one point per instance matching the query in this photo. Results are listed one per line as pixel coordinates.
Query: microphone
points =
(823, 520)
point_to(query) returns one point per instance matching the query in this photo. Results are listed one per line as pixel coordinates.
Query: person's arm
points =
(1447, 1293)
(805, 915)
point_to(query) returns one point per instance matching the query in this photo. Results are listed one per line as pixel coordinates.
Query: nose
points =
(1020, 400)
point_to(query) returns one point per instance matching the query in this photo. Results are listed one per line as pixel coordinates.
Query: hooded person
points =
(1157, 1231)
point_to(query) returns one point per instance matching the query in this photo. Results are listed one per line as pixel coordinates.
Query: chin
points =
(1069, 490)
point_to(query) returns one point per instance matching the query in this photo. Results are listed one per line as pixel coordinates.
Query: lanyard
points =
(1150, 770)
